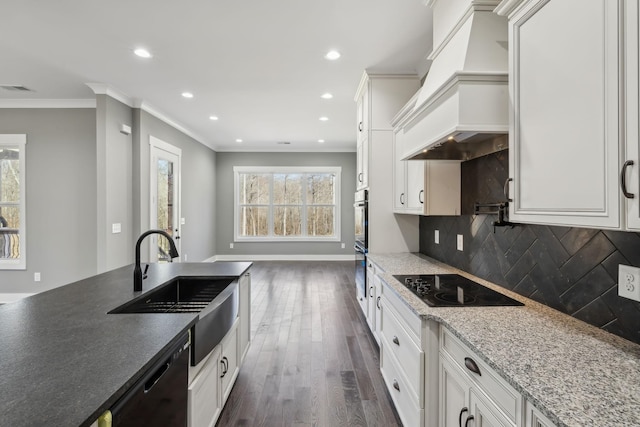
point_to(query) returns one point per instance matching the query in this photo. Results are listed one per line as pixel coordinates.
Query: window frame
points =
(276, 170)
(20, 141)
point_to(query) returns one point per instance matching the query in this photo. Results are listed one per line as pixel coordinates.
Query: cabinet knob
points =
(420, 196)
(396, 385)
(402, 199)
(396, 341)
(360, 127)
(378, 303)
(360, 177)
(371, 292)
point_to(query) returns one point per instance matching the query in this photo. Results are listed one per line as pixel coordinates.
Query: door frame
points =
(157, 146)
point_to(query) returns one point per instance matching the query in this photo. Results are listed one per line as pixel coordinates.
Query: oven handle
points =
(360, 204)
(359, 249)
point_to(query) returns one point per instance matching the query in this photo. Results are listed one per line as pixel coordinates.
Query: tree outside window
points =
(287, 203)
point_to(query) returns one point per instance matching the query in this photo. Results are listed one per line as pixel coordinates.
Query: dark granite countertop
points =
(64, 360)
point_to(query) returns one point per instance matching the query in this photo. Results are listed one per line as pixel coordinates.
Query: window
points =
(287, 203)
(12, 201)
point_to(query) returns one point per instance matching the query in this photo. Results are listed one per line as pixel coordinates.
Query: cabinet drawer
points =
(398, 342)
(204, 393)
(505, 397)
(404, 400)
(410, 320)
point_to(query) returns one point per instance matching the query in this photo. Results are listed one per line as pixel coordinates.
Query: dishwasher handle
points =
(155, 377)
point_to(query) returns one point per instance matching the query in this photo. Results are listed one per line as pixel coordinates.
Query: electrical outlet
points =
(436, 237)
(185, 258)
(342, 245)
(116, 228)
(629, 282)
(36, 277)
(459, 242)
(230, 245)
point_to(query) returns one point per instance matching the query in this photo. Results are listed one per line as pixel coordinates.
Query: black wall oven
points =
(361, 206)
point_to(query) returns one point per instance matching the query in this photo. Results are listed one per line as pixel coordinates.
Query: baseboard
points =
(6, 298)
(281, 258)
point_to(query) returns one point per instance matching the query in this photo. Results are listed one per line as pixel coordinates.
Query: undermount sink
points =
(214, 299)
(180, 295)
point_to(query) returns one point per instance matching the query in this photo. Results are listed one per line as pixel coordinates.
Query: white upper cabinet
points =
(565, 144)
(378, 98)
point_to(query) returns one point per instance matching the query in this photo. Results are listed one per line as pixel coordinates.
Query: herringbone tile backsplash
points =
(573, 270)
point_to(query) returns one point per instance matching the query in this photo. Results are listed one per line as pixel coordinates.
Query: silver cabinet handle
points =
(623, 179)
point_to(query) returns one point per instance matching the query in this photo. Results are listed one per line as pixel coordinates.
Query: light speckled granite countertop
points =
(575, 373)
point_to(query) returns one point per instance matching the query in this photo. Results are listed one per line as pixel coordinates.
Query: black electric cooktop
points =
(452, 290)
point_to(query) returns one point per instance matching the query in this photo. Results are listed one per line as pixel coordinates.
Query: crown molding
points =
(103, 89)
(47, 103)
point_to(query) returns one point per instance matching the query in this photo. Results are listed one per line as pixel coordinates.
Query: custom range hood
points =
(461, 110)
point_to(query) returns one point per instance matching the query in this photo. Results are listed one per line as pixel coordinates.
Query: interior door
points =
(165, 198)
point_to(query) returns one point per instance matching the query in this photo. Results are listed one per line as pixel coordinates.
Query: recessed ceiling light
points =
(323, 119)
(213, 117)
(332, 55)
(326, 96)
(142, 53)
(321, 141)
(187, 94)
(238, 140)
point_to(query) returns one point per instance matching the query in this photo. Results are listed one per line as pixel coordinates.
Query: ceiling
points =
(258, 65)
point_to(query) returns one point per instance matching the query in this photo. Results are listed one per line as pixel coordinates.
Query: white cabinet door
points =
(228, 361)
(484, 413)
(632, 114)
(415, 185)
(454, 395)
(204, 394)
(564, 88)
(362, 168)
(399, 175)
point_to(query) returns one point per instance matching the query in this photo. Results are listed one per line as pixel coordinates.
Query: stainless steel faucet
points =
(137, 271)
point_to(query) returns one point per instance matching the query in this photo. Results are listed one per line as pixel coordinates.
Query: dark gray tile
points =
(589, 256)
(590, 287)
(552, 245)
(576, 238)
(611, 264)
(627, 244)
(596, 313)
(520, 269)
(525, 287)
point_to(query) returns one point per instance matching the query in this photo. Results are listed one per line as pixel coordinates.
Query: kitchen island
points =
(64, 360)
(573, 373)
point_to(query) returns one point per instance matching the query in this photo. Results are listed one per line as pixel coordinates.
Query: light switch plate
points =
(460, 242)
(436, 237)
(182, 221)
(629, 282)
(36, 277)
(230, 245)
(116, 228)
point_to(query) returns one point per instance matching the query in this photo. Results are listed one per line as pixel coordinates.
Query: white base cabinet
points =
(211, 381)
(471, 393)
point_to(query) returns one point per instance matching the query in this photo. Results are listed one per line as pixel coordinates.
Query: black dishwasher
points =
(159, 398)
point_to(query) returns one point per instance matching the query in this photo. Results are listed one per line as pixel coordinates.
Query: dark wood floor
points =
(312, 362)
